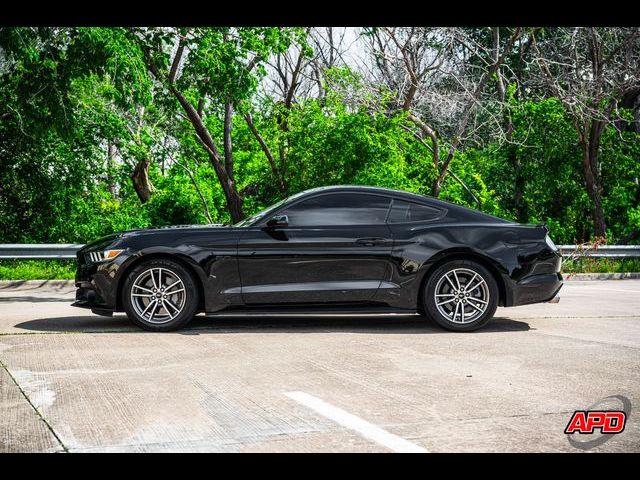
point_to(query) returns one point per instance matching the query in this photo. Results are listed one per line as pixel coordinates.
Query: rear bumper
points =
(536, 289)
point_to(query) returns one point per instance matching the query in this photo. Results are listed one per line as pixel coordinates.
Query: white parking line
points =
(364, 428)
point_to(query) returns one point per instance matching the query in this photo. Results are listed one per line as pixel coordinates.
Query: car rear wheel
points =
(461, 295)
(160, 295)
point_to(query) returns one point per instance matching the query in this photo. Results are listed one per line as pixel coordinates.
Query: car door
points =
(334, 250)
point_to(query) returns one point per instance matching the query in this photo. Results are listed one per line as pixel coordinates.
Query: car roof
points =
(465, 212)
(374, 190)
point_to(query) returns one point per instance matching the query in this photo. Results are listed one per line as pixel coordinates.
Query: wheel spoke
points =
(174, 292)
(455, 275)
(479, 300)
(160, 278)
(174, 283)
(143, 288)
(153, 302)
(170, 303)
(446, 275)
(153, 312)
(153, 279)
(144, 295)
(164, 304)
(461, 311)
(445, 295)
(476, 307)
(446, 301)
(476, 286)
(470, 282)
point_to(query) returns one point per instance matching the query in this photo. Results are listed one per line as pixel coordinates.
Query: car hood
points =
(107, 240)
(170, 228)
(100, 244)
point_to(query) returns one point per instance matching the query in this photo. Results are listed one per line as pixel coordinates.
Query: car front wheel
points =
(160, 295)
(461, 295)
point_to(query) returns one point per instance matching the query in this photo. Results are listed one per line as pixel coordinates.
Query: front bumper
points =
(87, 296)
(96, 284)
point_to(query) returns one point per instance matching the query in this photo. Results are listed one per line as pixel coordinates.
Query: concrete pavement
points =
(73, 381)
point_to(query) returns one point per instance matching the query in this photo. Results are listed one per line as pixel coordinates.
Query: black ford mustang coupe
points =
(337, 250)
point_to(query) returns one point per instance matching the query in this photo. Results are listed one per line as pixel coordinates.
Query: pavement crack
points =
(40, 416)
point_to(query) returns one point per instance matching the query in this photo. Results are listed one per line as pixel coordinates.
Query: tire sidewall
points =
(429, 301)
(191, 291)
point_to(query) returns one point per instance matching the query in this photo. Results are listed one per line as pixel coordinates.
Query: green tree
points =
(210, 72)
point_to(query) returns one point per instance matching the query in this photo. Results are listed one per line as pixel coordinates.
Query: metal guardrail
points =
(14, 251)
(39, 251)
(604, 251)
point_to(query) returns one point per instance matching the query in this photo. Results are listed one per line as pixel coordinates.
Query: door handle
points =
(370, 242)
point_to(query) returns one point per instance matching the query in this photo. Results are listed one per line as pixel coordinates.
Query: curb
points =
(601, 276)
(15, 284)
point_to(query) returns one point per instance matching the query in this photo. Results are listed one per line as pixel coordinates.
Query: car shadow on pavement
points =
(307, 324)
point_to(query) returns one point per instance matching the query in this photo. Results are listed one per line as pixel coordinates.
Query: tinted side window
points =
(402, 211)
(339, 209)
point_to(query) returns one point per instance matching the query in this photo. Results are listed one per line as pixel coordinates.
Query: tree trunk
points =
(222, 166)
(232, 196)
(227, 142)
(111, 165)
(234, 203)
(592, 179)
(277, 172)
(234, 199)
(599, 224)
(437, 185)
(519, 202)
(468, 108)
(141, 182)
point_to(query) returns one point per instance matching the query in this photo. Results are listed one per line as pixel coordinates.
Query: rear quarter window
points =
(403, 212)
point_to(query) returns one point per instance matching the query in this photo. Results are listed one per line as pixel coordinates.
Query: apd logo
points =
(598, 425)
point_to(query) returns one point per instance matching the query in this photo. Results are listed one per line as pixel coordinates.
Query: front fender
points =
(215, 272)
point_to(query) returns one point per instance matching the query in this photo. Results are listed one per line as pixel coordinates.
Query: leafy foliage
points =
(37, 269)
(70, 98)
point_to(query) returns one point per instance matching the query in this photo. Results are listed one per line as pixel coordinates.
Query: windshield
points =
(264, 213)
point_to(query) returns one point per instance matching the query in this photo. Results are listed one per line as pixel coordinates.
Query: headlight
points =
(549, 242)
(97, 257)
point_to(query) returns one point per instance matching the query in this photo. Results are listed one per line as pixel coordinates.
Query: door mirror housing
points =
(278, 221)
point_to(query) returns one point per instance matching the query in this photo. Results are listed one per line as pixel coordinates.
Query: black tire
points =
(429, 301)
(172, 271)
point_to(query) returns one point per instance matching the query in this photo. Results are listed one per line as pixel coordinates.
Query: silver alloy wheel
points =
(158, 295)
(461, 295)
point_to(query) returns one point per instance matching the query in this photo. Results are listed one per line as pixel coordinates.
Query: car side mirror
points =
(278, 221)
